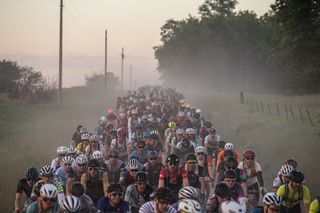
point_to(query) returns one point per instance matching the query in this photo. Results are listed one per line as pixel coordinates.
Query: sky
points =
(29, 32)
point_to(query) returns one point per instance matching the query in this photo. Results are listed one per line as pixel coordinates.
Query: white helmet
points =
(48, 191)
(286, 169)
(67, 159)
(179, 131)
(71, 204)
(188, 192)
(72, 150)
(200, 149)
(231, 206)
(81, 159)
(85, 136)
(93, 137)
(190, 131)
(272, 198)
(97, 155)
(198, 111)
(181, 114)
(133, 164)
(62, 150)
(189, 206)
(46, 170)
(228, 146)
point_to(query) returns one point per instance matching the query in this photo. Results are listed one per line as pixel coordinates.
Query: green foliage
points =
(97, 80)
(9, 72)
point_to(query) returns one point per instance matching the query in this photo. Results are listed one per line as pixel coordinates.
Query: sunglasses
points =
(140, 147)
(230, 180)
(250, 158)
(116, 194)
(191, 162)
(110, 156)
(173, 164)
(93, 168)
(152, 158)
(47, 176)
(61, 155)
(29, 179)
(200, 153)
(67, 164)
(51, 200)
(163, 202)
(142, 183)
(82, 165)
(133, 170)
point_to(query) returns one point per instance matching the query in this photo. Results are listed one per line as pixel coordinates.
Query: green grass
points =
(274, 139)
(29, 134)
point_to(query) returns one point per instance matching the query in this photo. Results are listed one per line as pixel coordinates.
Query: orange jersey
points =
(221, 154)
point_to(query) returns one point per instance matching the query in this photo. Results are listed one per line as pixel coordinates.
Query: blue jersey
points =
(140, 156)
(104, 206)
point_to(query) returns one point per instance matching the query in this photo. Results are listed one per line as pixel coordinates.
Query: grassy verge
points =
(273, 139)
(29, 135)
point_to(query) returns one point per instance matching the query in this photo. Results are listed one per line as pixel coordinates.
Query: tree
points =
(96, 80)
(217, 7)
(9, 72)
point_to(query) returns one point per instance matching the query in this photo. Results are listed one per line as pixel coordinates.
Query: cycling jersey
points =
(153, 173)
(251, 173)
(35, 208)
(136, 199)
(315, 206)
(150, 207)
(105, 206)
(38, 184)
(61, 175)
(87, 205)
(290, 198)
(220, 157)
(194, 177)
(23, 186)
(142, 157)
(114, 170)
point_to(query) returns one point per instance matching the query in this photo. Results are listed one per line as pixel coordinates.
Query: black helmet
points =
(173, 159)
(221, 190)
(141, 177)
(115, 186)
(140, 143)
(93, 163)
(230, 174)
(163, 193)
(32, 173)
(113, 153)
(191, 156)
(227, 154)
(296, 176)
(152, 154)
(221, 144)
(231, 162)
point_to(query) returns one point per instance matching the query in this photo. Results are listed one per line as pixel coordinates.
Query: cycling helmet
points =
(122, 115)
(221, 190)
(97, 155)
(133, 164)
(62, 150)
(163, 193)
(72, 150)
(228, 153)
(110, 111)
(271, 198)
(173, 159)
(140, 143)
(231, 162)
(141, 177)
(154, 132)
(71, 204)
(198, 111)
(171, 124)
(296, 176)
(85, 136)
(190, 131)
(230, 174)
(46, 170)
(152, 154)
(190, 157)
(286, 169)
(93, 163)
(138, 126)
(67, 159)
(81, 159)
(115, 186)
(212, 130)
(48, 191)
(93, 137)
(113, 131)
(113, 153)
(249, 154)
(221, 144)
(84, 129)
(182, 101)
(228, 146)
(208, 124)
(180, 131)
(291, 162)
(188, 192)
(200, 149)
(189, 206)
(121, 132)
(145, 134)
(231, 206)
(181, 114)
(32, 173)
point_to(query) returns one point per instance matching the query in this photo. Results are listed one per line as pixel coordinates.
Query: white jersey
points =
(251, 174)
(150, 207)
(210, 138)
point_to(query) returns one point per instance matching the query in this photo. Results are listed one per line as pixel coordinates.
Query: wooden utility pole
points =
(130, 77)
(122, 58)
(60, 54)
(106, 61)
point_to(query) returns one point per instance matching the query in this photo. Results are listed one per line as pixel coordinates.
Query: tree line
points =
(227, 50)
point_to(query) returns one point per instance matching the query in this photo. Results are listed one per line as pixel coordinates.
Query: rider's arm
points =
(185, 181)
(105, 182)
(161, 178)
(306, 199)
(84, 181)
(17, 202)
(314, 206)
(69, 184)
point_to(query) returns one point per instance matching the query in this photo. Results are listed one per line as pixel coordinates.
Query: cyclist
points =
(271, 204)
(114, 166)
(113, 202)
(291, 162)
(184, 147)
(187, 192)
(81, 147)
(173, 176)
(80, 169)
(47, 201)
(99, 156)
(228, 146)
(71, 204)
(235, 189)
(295, 195)
(153, 167)
(221, 194)
(282, 176)
(160, 204)
(232, 206)
(61, 152)
(189, 206)
(62, 173)
(94, 145)
(121, 144)
(127, 174)
(254, 177)
(139, 193)
(76, 137)
(25, 185)
(46, 173)
(87, 205)
(95, 181)
(140, 152)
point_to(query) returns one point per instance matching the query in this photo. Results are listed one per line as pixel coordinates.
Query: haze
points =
(29, 34)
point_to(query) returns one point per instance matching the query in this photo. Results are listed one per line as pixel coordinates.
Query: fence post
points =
(241, 98)
(278, 110)
(262, 106)
(301, 115)
(309, 117)
(292, 114)
(269, 109)
(286, 109)
(257, 105)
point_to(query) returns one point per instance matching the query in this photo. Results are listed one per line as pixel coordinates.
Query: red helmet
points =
(249, 154)
(121, 132)
(291, 162)
(110, 111)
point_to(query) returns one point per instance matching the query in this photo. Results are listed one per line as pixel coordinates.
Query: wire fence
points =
(284, 111)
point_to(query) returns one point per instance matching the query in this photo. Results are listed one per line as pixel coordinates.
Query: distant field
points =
(29, 135)
(274, 139)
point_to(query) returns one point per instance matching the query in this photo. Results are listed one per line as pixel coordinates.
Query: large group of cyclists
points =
(155, 153)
